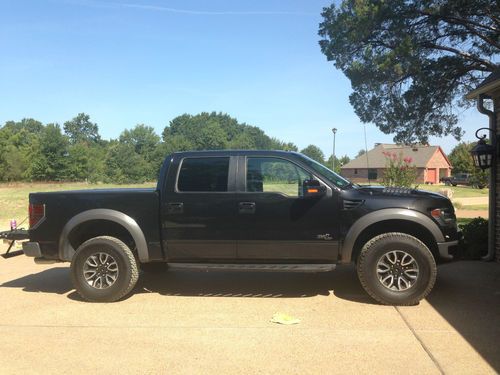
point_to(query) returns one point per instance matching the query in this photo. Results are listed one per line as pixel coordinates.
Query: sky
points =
(126, 62)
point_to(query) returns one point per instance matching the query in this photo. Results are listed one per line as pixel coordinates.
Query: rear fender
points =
(66, 251)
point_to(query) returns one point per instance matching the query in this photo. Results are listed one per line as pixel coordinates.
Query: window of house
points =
(355, 171)
(372, 174)
(203, 174)
(275, 175)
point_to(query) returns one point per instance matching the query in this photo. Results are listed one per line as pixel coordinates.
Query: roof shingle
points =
(420, 155)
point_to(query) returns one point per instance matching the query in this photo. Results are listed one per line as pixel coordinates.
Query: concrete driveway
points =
(187, 323)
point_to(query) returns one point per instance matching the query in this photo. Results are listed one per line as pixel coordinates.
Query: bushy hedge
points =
(474, 243)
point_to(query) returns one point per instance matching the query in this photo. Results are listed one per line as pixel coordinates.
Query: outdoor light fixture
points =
(482, 153)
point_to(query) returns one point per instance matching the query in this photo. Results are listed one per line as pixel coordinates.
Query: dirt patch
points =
(469, 214)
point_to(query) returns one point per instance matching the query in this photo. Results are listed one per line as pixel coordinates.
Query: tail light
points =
(37, 213)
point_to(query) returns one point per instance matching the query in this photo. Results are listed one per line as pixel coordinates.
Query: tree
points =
(48, 160)
(460, 158)
(81, 129)
(461, 161)
(315, 153)
(208, 131)
(16, 142)
(338, 162)
(124, 165)
(410, 62)
(145, 143)
(361, 153)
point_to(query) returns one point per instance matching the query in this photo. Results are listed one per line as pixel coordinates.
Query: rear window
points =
(203, 174)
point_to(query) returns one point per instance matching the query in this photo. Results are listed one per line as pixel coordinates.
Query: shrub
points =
(399, 170)
(474, 243)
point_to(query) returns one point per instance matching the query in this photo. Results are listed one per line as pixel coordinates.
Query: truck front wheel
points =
(104, 269)
(396, 269)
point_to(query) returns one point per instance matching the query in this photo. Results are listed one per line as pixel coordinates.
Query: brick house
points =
(431, 162)
(490, 89)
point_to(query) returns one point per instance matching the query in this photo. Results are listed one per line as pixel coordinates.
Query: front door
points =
(199, 210)
(276, 223)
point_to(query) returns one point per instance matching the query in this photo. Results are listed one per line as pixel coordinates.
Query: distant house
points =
(431, 162)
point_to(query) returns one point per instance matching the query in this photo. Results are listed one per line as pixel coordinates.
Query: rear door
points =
(198, 213)
(276, 223)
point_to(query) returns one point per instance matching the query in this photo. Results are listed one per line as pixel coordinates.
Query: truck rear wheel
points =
(104, 269)
(396, 269)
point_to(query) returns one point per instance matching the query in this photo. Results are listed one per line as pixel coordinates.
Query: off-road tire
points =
(126, 279)
(382, 244)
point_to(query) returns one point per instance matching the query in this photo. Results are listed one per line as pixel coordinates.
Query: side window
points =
(372, 174)
(203, 174)
(275, 175)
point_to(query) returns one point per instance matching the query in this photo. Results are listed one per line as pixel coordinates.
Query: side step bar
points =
(252, 267)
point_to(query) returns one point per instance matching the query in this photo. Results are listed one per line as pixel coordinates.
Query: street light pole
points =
(334, 130)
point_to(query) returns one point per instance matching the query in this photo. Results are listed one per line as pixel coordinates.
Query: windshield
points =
(330, 175)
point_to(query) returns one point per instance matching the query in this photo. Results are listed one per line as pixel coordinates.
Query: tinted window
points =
(203, 174)
(275, 175)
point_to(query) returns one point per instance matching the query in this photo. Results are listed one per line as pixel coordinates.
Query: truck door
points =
(276, 223)
(198, 213)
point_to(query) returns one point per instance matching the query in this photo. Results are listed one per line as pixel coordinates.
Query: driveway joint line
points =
(422, 344)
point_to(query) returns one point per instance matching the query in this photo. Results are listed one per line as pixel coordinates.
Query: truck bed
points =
(142, 205)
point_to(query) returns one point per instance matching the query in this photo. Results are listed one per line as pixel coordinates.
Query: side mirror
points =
(313, 189)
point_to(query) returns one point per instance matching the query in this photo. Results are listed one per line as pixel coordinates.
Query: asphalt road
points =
(194, 323)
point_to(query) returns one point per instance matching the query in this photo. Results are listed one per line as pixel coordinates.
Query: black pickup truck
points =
(246, 211)
(465, 179)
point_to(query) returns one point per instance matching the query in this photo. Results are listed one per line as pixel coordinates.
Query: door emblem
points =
(326, 237)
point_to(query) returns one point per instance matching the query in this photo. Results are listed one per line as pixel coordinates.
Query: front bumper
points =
(444, 249)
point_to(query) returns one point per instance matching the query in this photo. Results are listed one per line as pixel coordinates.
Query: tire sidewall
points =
(124, 270)
(425, 261)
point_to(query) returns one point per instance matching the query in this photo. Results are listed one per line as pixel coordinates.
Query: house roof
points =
(420, 155)
(491, 83)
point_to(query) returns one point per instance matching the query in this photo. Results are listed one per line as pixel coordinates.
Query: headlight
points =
(445, 216)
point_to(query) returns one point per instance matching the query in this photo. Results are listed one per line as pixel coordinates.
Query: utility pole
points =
(334, 130)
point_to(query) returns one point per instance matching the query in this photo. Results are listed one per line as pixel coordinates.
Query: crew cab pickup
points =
(247, 211)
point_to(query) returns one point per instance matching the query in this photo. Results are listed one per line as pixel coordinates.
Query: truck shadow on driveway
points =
(342, 282)
(53, 280)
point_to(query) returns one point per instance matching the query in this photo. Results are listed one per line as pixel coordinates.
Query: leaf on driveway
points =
(282, 318)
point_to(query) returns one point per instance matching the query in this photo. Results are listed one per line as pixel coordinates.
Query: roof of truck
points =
(236, 152)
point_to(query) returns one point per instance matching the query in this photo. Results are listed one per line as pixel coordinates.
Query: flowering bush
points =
(399, 170)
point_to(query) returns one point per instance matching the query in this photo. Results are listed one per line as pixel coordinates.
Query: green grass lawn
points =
(475, 207)
(14, 197)
(458, 191)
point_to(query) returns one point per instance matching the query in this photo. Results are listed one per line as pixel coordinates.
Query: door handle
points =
(246, 207)
(175, 208)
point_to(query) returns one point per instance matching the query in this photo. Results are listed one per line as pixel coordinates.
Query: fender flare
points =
(66, 251)
(383, 215)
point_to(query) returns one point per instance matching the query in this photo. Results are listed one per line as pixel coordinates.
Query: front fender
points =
(383, 215)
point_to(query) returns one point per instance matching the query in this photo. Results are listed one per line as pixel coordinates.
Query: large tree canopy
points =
(30, 150)
(410, 62)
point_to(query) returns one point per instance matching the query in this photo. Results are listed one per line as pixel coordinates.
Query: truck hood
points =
(378, 197)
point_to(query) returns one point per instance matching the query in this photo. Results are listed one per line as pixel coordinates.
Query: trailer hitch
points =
(13, 235)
